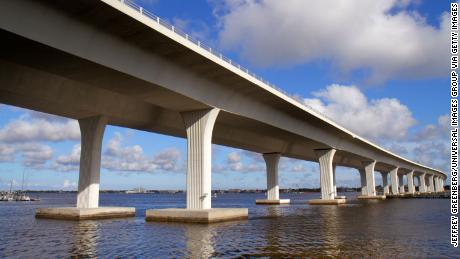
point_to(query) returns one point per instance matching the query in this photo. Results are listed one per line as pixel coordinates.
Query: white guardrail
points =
(217, 54)
(131, 4)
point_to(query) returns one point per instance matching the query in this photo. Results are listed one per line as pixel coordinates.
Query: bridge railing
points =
(204, 46)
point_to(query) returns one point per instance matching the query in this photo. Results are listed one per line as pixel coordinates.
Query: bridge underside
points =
(41, 78)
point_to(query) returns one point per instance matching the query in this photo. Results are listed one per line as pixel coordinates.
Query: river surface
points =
(397, 228)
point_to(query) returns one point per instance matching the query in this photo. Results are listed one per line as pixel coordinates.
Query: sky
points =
(379, 68)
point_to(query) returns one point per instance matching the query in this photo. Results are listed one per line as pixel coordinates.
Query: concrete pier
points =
(368, 172)
(386, 186)
(370, 177)
(199, 126)
(430, 183)
(92, 133)
(273, 196)
(325, 157)
(72, 213)
(197, 215)
(410, 182)
(374, 197)
(394, 181)
(422, 187)
(401, 183)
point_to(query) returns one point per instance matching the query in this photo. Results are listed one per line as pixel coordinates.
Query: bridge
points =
(110, 62)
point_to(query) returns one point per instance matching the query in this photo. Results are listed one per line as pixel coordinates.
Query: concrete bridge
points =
(112, 62)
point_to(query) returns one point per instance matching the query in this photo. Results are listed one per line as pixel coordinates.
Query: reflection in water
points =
(199, 239)
(329, 217)
(394, 228)
(85, 235)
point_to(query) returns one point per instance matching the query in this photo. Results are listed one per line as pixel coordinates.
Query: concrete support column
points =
(370, 179)
(410, 182)
(92, 132)
(362, 175)
(199, 125)
(431, 183)
(401, 183)
(394, 181)
(271, 161)
(325, 158)
(386, 187)
(435, 184)
(334, 182)
(422, 188)
(327, 179)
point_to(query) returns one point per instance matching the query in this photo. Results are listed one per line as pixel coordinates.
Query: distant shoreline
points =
(300, 190)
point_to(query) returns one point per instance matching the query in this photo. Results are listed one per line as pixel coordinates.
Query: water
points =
(397, 228)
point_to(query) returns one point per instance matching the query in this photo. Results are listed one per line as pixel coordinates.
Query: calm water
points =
(409, 228)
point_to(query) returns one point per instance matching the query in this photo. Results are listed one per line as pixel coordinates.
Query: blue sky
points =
(378, 67)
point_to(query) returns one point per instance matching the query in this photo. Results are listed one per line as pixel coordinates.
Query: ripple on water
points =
(394, 228)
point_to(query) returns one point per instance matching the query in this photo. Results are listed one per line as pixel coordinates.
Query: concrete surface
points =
(326, 202)
(196, 215)
(273, 202)
(73, 213)
(374, 197)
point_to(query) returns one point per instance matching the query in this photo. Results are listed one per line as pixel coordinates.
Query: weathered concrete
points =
(373, 197)
(340, 197)
(394, 181)
(401, 183)
(196, 215)
(370, 178)
(325, 158)
(430, 183)
(199, 126)
(410, 182)
(422, 187)
(271, 162)
(386, 187)
(362, 177)
(73, 213)
(334, 181)
(273, 202)
(92, 132)
(326, 202)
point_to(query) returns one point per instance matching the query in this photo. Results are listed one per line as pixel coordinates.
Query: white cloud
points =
(383, 37)
(117, 157)
(132, 158)
(376, 119)
(33, 129)
(67, 184)
(34, 155)
(70, 162)
(430, 145)
(6, 153)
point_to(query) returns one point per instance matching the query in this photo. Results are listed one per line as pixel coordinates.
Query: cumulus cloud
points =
(33, 155)
(243, 161)
(132, 158)
(121, 158)
(430, 145)
(434, 131)
(384, 118)
(6, 153)
(67, 184)
(387, 38)
(39, 128)
(69, 162)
